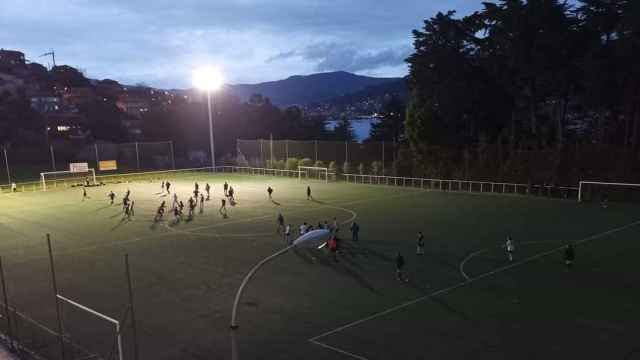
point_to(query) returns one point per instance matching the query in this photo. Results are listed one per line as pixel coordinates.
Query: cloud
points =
(159, 42)
(347, 57)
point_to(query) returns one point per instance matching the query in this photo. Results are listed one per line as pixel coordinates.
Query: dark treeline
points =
(535, 90)
(187, 124)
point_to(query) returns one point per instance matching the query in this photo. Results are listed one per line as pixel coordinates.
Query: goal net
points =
(313, 172)
(597, 191)
(93, 334)
(67, 178)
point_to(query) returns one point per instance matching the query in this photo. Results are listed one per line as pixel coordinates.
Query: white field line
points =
(338, 350)
(168, 233)
(315, 339)
(474, 254)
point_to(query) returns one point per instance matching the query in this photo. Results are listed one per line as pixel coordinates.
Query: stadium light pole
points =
(209, 79)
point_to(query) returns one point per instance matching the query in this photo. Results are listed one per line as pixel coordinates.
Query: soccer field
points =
(463, 298)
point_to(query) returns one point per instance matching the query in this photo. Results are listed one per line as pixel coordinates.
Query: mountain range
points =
(316, 88)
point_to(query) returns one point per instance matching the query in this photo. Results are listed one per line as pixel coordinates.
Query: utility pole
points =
(53, 56)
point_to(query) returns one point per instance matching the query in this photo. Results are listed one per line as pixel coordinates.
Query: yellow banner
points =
(107, 165)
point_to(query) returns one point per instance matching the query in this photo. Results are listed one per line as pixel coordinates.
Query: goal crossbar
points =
(302, 169)
(90, 172)
(601, 183)
(95, 313)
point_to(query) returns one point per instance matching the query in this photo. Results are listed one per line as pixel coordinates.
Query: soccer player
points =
(132, 209)
(176, 214)
(207, 188)
(270, 192)
(195, 194)
(287, 234)
(509, 247)
(175, 201)
(223, 208)
(84, 193)
(569, 256)
(192, 207)
(332, 244)
(201, 203)
(400, 267)
(309, 197)
(231, 192)
(303, 228)
(180, 207)
(162, 187)
(420, 244)
(226, 188)
(280, 223)
(355, 230)
(111, 196)
(168, 186)
(125, 203)
(197, 187)
(126, 195)
(160, 212)
(86, 181)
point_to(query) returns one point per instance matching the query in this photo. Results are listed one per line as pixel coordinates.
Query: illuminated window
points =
(62, 128)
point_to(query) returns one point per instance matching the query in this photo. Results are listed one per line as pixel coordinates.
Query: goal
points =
(113, 324)
(598, 191)
(313, 172)
(55, 178)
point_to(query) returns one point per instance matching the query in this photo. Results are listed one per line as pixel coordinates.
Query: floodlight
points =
(207, 78)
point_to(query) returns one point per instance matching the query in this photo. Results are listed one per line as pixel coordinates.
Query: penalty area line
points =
(315, 340)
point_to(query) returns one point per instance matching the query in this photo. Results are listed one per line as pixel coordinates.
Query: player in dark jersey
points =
(160, 211)
(226, 188)
(309, 197)
(270, 192)
(569, 256)
(280, 223)
(201, 203)
(168, 185)
(84, 194)
(111, 196)
(207, 188)
(223, 208)
(231, 194)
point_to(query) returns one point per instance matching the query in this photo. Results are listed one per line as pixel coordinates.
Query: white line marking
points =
(474, 254)
(338, 350)
(458, 285)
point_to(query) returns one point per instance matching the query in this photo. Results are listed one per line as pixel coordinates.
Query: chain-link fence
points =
(25, 163)
(367, 155)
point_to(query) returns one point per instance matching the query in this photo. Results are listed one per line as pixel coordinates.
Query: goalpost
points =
(588, 190)
(313, 172)
(75, 176)
(95, 313)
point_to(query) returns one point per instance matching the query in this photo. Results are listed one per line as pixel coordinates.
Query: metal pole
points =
(382, 157)
(271, 146)
(316, 148)
(55, 297)
(137, 156)
(97, 157)
(133, 314)
(234, 324)
(261, 155)
(579, 190)
(286, 149)
(213, 151)
(173, 156)
(6, 307)
(6, 162)
(53, 158)
(346, 152)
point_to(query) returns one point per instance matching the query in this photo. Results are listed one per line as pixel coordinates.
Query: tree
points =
(391, 124)
(343, 131)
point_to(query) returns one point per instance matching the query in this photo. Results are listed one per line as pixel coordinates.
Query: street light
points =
(209, 79)
(311, 240)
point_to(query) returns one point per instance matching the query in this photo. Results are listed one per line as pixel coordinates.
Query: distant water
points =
(361, 127)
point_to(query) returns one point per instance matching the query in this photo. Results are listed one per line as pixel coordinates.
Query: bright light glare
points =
(207, 78)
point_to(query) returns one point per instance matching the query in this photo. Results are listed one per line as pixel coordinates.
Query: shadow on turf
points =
(342, 266)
